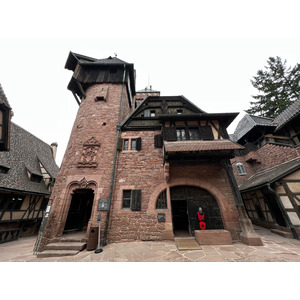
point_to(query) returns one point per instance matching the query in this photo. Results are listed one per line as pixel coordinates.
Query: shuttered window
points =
(158, 141)
(132, 199)
(170, 134)
(131, 144)
(206, 133)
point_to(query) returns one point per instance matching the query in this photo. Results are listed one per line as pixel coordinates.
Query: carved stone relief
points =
(88, 155)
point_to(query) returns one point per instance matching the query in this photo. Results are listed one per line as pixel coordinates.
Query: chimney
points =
(54, 149)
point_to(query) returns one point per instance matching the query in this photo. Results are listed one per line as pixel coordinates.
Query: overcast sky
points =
(206, 52)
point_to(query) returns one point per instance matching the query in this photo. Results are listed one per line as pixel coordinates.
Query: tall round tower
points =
(104, 90)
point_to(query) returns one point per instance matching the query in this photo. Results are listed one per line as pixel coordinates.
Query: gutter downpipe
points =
(114, 163)
(286, 216)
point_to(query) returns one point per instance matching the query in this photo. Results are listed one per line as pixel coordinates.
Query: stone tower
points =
(104, 90)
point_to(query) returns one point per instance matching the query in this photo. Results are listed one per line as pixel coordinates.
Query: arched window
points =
(240, 168)
(161, 202)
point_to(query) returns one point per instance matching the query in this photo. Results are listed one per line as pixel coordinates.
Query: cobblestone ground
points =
(275, 249)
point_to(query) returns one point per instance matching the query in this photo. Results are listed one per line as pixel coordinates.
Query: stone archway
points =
(80, 210)
(185, 201)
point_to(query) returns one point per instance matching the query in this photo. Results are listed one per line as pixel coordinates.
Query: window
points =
(152, 113)
(194, 134)
(126, 199)
(161, 202)
(125, 145)
(131, 199)
(240, 168)
(181, 136)
(15, 202)
(3, 170)
(134, 144)
(36, 178)
(188, 133)
(4, 129)
(1, 124)
(99, 98)
(179, 111)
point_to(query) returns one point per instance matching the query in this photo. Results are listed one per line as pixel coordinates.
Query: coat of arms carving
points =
(89, 153)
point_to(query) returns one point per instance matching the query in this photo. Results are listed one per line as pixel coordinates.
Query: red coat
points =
(200, 217)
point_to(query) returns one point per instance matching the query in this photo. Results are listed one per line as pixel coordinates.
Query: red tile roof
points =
(187, 146)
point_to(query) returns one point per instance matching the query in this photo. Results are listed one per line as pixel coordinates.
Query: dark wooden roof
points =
(247, 123)
(165, 108)
(88, 70)
(270, 175)
(26, 153)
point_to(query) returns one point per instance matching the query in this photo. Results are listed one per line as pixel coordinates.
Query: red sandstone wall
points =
(137, 170)
(145, 170)
(269, 156)
(98, 120)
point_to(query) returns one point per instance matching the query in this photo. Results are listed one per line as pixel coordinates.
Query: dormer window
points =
(240, 168)
(1, 124)
(3, 128)
(3, 170)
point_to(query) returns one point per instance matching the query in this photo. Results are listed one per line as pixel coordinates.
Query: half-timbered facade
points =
(267, 170)
(27, 173)
(144, 164)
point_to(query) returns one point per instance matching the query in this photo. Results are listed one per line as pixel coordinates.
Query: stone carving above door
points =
(89, 153)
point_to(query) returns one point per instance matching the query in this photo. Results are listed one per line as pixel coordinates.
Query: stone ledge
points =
(213, 237)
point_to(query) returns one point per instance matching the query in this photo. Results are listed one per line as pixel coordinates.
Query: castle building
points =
(142, 164)
(27, 174)
(267, 170)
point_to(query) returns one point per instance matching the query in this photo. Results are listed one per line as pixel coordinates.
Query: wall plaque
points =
(161, 217)
(102, 204)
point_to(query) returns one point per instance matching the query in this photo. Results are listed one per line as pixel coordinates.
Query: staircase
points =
(68, 245)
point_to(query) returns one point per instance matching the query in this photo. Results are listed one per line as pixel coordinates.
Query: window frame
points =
(134, 200)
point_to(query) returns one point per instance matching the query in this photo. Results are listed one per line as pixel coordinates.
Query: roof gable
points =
(3, 99)
(247, 123)
(148, 113)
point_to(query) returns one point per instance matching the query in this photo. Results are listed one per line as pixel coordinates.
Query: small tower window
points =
(240, 168)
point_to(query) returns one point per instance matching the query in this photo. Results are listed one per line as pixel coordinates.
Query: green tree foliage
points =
(278, 87)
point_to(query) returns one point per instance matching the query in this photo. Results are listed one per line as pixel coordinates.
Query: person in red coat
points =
(201, 216)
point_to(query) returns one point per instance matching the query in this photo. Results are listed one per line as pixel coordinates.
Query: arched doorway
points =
(80, 210)
(185, 202)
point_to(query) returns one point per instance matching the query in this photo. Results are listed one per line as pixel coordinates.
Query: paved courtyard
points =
(275, 249)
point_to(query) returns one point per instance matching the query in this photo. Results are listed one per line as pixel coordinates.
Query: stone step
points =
(69, 240)
(56, 253)
(66, 246)
(283, 233)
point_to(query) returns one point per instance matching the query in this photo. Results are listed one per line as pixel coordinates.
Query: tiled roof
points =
(247, 123)
(25, 154)
(192, 146)
(270, 175)
(288, 114)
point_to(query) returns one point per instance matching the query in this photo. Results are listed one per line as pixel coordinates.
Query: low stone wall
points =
(213, 237)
